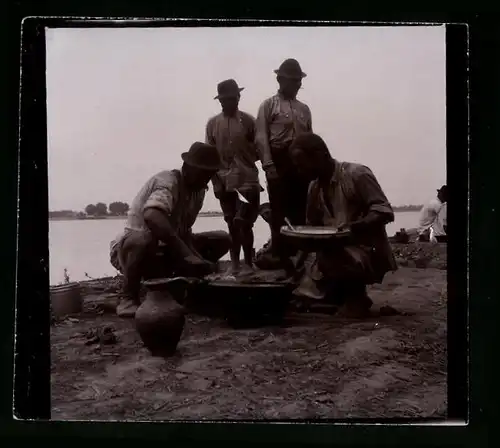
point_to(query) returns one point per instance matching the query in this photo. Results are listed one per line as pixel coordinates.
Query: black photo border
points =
(32, 380)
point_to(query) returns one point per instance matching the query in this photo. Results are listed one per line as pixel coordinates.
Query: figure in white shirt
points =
(433, 220)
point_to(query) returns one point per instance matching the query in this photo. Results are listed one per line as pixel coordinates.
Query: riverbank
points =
(76, 218)
(313, 366)
(410, 208)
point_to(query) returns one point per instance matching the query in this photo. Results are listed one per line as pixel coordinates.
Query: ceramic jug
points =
(160, 319)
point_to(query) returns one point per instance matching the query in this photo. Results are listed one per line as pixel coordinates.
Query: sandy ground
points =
(314, 366)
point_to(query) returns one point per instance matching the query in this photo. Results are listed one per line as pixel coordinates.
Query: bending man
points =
(343, 195)
(158, 240)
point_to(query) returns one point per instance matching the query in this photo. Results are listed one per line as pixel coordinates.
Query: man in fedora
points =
(236, 184)
(280, 120)
(157, 240)
(433, 223)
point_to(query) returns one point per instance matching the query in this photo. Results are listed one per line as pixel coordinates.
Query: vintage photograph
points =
(247, 223)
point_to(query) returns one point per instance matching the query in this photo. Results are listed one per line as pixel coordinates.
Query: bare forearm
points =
(378, 218)
(159, 225)
(263, 150)
(262, 137)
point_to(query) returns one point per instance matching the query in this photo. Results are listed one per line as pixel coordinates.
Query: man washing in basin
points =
(158, 239)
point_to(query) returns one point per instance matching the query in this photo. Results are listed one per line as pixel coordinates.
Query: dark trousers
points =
(140, 257)
(288, 198)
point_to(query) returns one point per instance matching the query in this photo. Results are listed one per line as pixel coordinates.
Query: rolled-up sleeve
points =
(163, 195)
(251, 137)
(211, 140)
(371, 193)
(262, 134)
(209, 133)
(309, 119)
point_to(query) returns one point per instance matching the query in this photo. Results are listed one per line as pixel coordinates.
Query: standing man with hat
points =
(280, 120)
(236, 184)
(157, 240)
(433, 223)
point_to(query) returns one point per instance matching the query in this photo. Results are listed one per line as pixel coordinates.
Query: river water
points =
(82, 246)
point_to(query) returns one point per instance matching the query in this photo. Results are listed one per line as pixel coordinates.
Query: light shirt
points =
(433, 218)
(353, 193)
(234, 139)
(279, 122)
(167, 192)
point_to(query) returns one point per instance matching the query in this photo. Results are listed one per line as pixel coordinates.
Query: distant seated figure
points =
(158, 240)
(343, 195)
(433, 219)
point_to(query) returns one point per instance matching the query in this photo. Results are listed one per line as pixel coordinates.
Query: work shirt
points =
(165, 191)
(433, 218)
(279, 122)
(234, 139)
(352, 194)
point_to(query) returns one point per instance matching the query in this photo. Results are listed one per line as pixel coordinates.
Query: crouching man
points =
(343, 195)
(157, 240)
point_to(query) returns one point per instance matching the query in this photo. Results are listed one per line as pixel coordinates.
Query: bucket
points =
(66, 299)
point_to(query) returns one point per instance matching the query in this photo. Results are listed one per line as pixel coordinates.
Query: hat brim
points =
(187, 159)
(228, 95)
(287, 75)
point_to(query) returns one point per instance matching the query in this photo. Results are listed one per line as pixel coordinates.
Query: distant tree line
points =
(118, 208)
(407, 208)
(63, 214)
(93, 210)
(101, 209)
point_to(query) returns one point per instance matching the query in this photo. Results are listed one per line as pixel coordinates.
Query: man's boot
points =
(357, 304)
(126, 307)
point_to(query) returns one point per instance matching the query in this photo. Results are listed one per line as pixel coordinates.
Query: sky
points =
(124, 103)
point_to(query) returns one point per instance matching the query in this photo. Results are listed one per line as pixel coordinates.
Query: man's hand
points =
(357, 226)
(198, 265)
(372, 220)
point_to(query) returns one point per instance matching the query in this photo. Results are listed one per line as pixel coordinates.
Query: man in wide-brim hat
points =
(433, 218)
(158, 240)
(236, 183)
(281, 118)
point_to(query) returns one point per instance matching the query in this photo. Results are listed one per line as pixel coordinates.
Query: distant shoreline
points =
(97, 218)
(409, 208)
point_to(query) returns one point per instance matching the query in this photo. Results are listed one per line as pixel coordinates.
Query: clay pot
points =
(66, 299)
(160, 319)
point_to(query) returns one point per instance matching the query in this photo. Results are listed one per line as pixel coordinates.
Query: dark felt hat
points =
(443, 189)
(203, 156)
(290, 68)
(228, 88)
